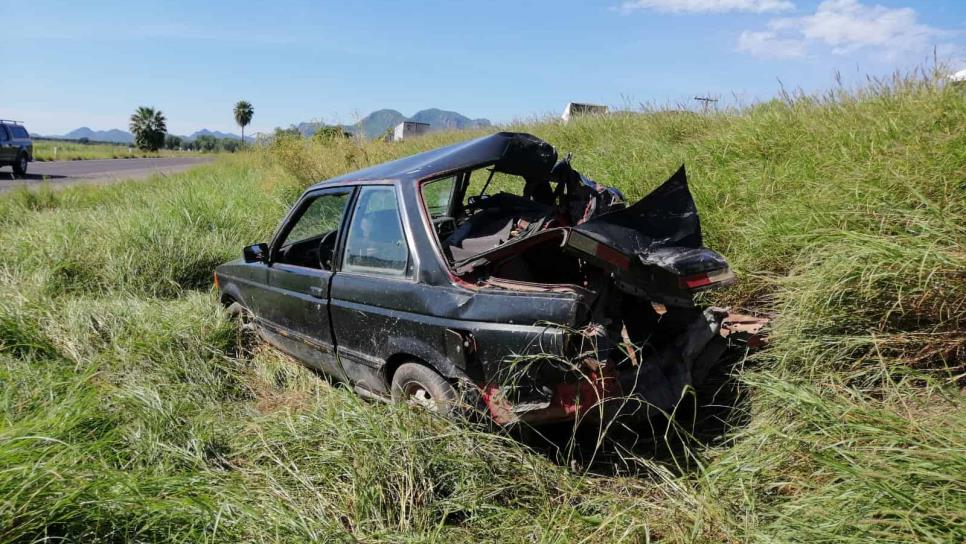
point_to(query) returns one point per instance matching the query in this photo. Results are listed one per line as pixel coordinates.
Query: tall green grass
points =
(131, 410)
(68, 150)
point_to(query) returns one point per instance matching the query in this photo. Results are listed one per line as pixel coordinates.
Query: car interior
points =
(470, 220)
(314, 252)
(476, 212)
(375, 242)
(311, 241)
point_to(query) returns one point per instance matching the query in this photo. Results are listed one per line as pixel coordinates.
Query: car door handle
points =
(317, 292)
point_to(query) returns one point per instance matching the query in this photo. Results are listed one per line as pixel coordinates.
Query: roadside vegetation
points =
(149, 127)
(243, 112)
(129, 409)
(74, 150)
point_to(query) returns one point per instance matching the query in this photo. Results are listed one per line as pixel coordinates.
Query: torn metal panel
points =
(666, 217)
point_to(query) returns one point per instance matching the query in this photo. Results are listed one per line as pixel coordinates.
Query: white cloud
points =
(767, 44)
(844, 26)
(707, 6)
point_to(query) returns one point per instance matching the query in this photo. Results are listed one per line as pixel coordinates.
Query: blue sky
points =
(92, 63)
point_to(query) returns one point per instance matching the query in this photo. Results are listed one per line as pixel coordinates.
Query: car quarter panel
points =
(375, 318)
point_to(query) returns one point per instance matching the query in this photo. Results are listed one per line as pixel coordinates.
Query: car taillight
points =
(216, 281)
(603, 252)
(697, 281)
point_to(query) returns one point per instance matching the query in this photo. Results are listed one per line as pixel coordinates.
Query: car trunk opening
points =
(635, 268)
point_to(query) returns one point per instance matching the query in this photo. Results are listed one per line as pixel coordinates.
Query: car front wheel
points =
(420, 386)
(247, 333)
(20, 167)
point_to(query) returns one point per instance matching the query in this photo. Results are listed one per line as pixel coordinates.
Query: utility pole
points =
(706, 102)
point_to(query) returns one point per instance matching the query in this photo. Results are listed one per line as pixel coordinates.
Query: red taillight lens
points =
(216, 281)
(695, 281)
(705, 279)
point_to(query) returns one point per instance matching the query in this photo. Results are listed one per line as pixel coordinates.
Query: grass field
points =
(127, 411)
(66, 150)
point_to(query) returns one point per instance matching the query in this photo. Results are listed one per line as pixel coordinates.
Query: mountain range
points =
(378, 122)
(124, 137)
(371, 126)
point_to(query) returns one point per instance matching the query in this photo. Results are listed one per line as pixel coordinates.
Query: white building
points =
(574, 109)
(408, 129)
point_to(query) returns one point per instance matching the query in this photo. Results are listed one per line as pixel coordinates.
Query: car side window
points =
(311, 240)
(4, 136)
(20, 132)
(437, 195)
(375, 243)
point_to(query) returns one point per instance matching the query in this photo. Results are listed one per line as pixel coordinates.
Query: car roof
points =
(513, 152)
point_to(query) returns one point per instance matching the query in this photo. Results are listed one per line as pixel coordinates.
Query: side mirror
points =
(255, 253)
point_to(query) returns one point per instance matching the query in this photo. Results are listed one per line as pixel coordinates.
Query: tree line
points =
(205, 143)
(150, 129)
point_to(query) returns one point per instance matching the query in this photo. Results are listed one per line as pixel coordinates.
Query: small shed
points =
(408, 129)
(574, 109)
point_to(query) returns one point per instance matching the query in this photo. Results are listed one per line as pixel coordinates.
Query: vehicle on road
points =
(16, 147)
(534, 301)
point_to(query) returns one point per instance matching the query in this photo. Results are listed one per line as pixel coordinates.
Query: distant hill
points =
(217, 134)
(378, 122)
(113, 135)
(124, 137)
(447, 120)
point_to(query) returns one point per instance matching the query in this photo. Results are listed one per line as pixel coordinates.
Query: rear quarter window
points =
(376, 244)
(20, 132)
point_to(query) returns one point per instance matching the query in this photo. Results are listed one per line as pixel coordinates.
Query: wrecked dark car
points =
(490, 273)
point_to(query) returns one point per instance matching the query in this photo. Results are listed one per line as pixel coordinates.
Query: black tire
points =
(20, 167)
(420, 385)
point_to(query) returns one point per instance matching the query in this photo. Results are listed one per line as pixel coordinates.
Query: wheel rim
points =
(246, 322)
(417, 395)
(23, 163)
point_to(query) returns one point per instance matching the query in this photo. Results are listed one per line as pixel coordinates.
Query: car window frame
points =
(6, 136)
(296, 213)
(412, 263)
(457, 178)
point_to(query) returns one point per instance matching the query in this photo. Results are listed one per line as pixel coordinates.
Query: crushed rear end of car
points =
(638, 340)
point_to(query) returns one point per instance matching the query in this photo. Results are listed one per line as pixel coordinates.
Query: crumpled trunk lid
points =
(653, 247)
(666, 217)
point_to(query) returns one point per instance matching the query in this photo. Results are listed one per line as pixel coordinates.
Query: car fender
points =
(230, 290)
(413, 347)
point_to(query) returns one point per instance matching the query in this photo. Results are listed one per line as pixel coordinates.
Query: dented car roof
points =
(515, 153)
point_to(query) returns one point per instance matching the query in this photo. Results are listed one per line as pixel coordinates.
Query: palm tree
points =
(148, 126)
(243, 115)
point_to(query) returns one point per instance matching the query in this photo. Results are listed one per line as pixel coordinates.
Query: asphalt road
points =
(96, 171)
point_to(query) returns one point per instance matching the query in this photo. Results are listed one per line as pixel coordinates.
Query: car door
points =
(294, 307)
(372, 294)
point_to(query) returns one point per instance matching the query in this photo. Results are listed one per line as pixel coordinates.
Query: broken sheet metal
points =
(667, 217)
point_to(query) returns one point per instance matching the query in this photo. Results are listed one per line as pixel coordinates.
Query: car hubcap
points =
(23, 164)
(418, 395)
